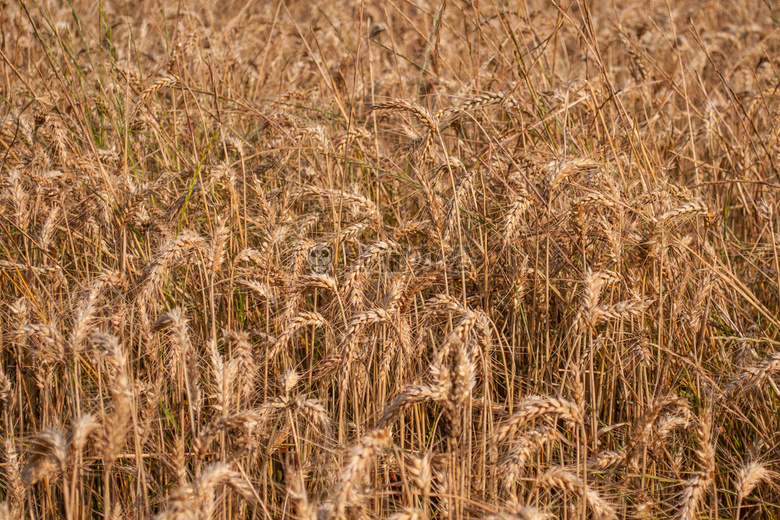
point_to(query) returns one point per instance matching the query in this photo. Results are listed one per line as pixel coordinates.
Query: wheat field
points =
(403, 259)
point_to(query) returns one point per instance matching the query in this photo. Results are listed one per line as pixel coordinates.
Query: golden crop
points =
(430, 259)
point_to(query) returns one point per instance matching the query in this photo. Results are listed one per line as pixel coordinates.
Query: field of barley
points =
(398, 259)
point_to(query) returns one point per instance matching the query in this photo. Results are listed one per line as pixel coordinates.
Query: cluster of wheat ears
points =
(404, 259)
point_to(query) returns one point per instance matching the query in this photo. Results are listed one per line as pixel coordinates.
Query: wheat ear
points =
(535, 408)
(358, 459)
(562, 479)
